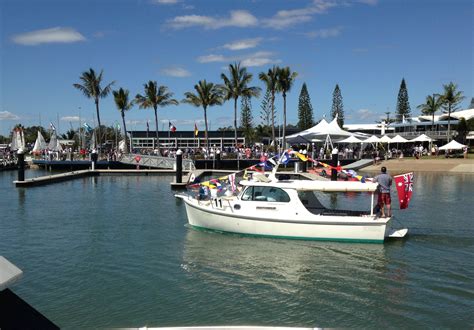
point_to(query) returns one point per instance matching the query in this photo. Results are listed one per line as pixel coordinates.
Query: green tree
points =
(236, 85)
(92, 89)
(155, 96)
(266, 110)
(271, 82)
(451, 99)
(337, 106)
(305, 109)
(403, 105)
(123, 104)
(207, 95)
(432, 105)
(286, 78)
(246, 118)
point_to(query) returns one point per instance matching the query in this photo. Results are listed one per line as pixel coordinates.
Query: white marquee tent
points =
(453, 145)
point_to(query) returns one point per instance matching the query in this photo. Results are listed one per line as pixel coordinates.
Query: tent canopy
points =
(385, 139)
(422, 138)
(399, 139)
(350, 139)
(372, 139)
(298, 139)
(453, 145)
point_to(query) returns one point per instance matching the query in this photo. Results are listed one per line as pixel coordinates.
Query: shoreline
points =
(447, 165)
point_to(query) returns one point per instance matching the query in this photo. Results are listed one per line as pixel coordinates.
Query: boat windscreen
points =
(311, 202)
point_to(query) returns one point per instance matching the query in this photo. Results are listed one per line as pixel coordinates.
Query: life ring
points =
(192, 178)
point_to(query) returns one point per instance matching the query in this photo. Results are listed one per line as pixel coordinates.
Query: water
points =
(115, 252)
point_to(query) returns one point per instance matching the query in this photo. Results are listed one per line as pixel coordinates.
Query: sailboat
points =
(54, 143)
(18, 139)
(40, 144)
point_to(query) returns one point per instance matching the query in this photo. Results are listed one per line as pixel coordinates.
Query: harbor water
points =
(115, 251)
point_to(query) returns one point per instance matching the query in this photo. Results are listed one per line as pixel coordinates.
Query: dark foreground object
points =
(15, 313)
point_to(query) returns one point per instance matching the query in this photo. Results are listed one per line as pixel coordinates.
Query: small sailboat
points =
(18, 139)
(40, 144)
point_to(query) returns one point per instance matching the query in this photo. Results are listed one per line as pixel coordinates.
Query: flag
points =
(171, 127)
(196, 131)
(285, 158)
(232, 182)
(87, 127)
(117, 126)
(404, 184)
(147, 127)
(52, 126)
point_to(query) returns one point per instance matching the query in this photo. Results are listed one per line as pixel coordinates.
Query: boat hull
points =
(318, 228)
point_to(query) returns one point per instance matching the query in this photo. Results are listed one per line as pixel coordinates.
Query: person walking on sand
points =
(385, 182)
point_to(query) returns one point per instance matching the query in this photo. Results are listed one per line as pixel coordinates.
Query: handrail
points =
(156, 161)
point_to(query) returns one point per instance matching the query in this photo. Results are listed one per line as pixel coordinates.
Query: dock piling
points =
(179, 166)
(21, 165)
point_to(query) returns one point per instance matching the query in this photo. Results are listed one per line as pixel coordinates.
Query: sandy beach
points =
(451, 165)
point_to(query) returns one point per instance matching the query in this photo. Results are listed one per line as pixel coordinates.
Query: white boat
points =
(290, 209)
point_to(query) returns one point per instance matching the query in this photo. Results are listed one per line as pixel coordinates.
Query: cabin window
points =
(265, 194)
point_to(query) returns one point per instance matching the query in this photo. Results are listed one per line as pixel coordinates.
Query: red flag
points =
(172, 127)
(404, 184)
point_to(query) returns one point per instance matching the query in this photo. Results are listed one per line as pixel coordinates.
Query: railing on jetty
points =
(156, 161)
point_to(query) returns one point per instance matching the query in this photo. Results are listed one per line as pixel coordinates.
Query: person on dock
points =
(384, 200)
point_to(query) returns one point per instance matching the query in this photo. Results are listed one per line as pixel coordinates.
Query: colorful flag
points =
(52, 126)
(87, 127)
(404, 184)
(196, 131)
(285, 158)
(232, 182)
(171, 127)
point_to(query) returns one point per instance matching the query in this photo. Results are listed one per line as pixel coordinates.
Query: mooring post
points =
(218, 160)
(179, 166)
(21, 164)
(335, 159)
(94, 157)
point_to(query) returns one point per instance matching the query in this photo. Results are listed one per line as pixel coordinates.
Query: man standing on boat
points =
(385, 182)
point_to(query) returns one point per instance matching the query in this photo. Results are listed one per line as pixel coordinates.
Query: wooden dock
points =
(49, 179)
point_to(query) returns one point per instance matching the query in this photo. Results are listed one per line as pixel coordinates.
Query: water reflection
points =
(281, 265)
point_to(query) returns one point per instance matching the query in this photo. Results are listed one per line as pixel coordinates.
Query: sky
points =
(365, 46)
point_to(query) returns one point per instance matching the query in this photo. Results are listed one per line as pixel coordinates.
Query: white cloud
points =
(243, 44)
(176, 72)
(369, 2)
(70, 118)
(286, 18)
(6, 115)
(366, 114)
(213, 58)
(254, 59)
(237, 18)
(325, 33)
(53, 35)
(165, 2)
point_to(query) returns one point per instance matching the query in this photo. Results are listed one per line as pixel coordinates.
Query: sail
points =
(54, 143)
(93, 141)
(18, 139)
(40, 144)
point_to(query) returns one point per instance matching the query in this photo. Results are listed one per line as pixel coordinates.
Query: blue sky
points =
(365, 46)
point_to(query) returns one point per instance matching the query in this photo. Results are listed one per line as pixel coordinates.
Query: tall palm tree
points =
(432, 105)
(285, 82)
(451, 98)
(92, 89)
(123, 104)
(207, 95)
(237, 85)
(271, 81)
(154, 97)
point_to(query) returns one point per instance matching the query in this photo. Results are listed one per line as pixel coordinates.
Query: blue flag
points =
(87, 127)
(285, 159)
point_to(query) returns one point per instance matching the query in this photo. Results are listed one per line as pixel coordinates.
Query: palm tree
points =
(450, 99)
(207, 95)
(237, 85)
(123, 104)
(271, 81)
(285, 82)
(432, 105)
(92, 89)
(155, 96)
